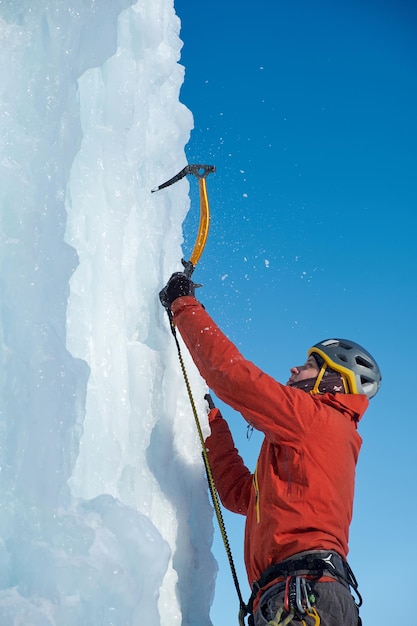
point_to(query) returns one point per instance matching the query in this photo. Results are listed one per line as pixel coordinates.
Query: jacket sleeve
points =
(275, 409)
(233, 480)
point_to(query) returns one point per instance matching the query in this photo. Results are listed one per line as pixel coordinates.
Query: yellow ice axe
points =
(201, 172)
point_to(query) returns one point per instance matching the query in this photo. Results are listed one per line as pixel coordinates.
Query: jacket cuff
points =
(214, 414)
(182, 302)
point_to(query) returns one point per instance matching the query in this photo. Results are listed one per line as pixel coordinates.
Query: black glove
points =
(178, 285)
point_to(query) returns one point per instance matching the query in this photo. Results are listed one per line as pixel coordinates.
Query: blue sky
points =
(309, 111)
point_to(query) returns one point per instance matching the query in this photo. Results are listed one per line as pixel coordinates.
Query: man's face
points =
(302, 372)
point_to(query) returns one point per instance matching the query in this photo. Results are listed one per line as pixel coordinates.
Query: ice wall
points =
(104, 517)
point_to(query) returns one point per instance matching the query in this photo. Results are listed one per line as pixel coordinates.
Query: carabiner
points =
(313, 613)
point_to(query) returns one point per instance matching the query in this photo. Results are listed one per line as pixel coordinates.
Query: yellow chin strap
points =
(319, 378)
(346, 379)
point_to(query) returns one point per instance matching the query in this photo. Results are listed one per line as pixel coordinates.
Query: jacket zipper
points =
(288, 473)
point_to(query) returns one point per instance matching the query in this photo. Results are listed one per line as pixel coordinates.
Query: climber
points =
(298, 503)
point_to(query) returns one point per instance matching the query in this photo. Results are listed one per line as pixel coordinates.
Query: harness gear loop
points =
(296, 574)
(297, 604)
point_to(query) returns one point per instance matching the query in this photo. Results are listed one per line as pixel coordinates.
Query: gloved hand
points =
(178, 285)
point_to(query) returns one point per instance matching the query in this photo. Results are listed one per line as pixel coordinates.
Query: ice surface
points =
(104, 515)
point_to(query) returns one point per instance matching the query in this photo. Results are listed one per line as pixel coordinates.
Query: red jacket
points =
(301, 494)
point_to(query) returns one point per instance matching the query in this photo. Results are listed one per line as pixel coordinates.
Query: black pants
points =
(334, 603)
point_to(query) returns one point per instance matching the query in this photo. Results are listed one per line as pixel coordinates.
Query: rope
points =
(277, 621)
(280, 620)
(210, 480)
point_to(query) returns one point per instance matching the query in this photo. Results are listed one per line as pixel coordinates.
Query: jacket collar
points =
(354, 405)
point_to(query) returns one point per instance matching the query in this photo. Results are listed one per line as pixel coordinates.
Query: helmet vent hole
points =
(364, 362)
(344, 345)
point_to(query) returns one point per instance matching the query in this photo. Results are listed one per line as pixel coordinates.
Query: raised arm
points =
(270, 407)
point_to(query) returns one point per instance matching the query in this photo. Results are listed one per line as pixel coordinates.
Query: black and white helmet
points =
(358, 368)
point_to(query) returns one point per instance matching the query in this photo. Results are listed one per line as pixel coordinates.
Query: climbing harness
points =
(316, 563)
(297, 574)
(201, 172)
